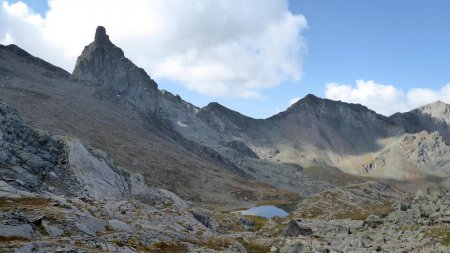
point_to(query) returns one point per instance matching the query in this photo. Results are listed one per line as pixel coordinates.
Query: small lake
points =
(265, 211)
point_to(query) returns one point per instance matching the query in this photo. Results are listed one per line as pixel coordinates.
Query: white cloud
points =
(420, 96)
(385, 99)
(217, 48)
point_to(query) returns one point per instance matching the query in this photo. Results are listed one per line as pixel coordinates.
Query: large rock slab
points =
(23, 231)
(99, 179)
(118, 225)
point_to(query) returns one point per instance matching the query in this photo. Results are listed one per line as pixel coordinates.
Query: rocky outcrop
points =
(73, 197)
(417, 224)
(27, 156)
(105, 65)
(432, 117)
(294, 230)
(414, 156)
(240, 147)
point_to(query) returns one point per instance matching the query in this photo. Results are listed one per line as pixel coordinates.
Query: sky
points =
(256, 56)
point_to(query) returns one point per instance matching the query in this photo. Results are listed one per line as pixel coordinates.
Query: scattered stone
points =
(293, 247)
(372, 221)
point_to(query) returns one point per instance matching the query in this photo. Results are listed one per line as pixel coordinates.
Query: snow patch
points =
(181, 124)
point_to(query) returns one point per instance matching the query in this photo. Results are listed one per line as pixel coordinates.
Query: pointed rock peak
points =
(104, 64)
(435, 106)
(218, 108)
(436, 109)
(100, 34)
(312, 103)
(311, 97)
(308, 99)
(438, 103)
(214, 105)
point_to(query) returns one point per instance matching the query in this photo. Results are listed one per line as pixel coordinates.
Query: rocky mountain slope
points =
(432, 117)
(414, 156)
(58, 195)
(212, 154)
(316, 132)
(171, 142)
(52, 99)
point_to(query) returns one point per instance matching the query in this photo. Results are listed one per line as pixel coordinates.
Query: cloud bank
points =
(385, 99)
(217, 48)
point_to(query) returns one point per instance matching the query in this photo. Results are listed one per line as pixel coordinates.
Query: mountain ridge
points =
(312, 132)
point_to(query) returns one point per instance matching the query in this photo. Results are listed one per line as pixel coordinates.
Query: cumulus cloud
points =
(217, 48)
(385, 99)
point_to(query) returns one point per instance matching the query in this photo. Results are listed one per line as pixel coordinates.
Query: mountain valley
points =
(102, 160)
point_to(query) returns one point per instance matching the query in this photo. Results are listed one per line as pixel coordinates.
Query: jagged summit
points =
(219, 109)
(312, 103)
(214, 106)
(431, 117)
(100, 34)
(438, 109)
(105, 65)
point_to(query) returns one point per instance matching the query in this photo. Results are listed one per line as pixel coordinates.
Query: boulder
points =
(52, 231)
(372, 221)
(118, 225)
(90, 225)
(293, 229)
(35, 162)
(203, 217)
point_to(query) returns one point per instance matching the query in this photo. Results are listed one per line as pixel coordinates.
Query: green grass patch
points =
(446, 239)
(259, 221)
(251, 247)
(440, 232)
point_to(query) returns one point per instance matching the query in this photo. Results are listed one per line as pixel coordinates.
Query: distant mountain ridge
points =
(111, 102)
(431, 117)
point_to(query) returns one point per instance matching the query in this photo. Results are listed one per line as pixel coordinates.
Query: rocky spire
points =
(100, 34)
(105, 65)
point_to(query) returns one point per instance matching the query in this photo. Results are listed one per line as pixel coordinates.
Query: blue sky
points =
(398, 50)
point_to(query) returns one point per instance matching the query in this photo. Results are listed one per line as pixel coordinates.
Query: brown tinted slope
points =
(51, 99)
